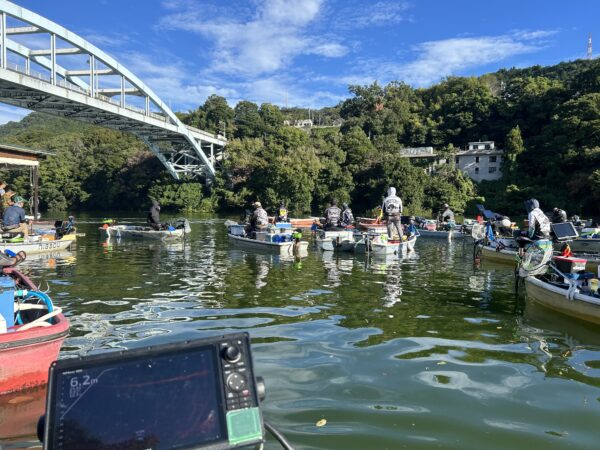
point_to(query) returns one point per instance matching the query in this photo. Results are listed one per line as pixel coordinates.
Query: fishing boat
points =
(342, 239)
(170, 233)
(367, 223)
(37, 244)
(32, 343)
(282, 241)
(441, 234)
(564, 298)
(429, 228)
(585, 245)
(304, 223)
(502, 250)
(380, 245)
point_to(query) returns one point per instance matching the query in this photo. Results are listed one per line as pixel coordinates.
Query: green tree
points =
(512, 149)
(247, 119)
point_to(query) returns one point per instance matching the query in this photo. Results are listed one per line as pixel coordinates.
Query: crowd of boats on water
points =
(558, 263)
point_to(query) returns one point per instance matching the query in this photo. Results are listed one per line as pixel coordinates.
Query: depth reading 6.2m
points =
(79, 384)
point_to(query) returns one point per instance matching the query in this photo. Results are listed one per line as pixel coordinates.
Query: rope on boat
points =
(42, 321)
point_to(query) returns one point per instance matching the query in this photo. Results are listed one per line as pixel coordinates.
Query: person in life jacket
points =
(559, 215)
(539, 224)
(412, 228)
(392, 208)
(347, 216)
(332, 215)
(259, 219)
(282, 214)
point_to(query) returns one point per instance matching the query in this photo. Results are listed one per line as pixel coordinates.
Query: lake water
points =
(424, 352)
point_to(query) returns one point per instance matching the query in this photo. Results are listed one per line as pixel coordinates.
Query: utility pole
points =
(589, 47)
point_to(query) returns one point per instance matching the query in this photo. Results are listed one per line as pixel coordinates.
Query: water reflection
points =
(418, 351)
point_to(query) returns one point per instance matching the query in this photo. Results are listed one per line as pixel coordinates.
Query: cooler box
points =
(569, 264)
(7, 300)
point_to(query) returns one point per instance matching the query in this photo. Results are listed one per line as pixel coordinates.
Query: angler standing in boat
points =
(392, 208)
(14, 217)
(332, 216)
(559, 215)
(447, 214)
(282, 213)
(347, 216)
(153, 218)
(259, 219)
(539, 224)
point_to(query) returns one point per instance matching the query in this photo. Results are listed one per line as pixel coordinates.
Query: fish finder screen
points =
(159, 402)
(564, 231)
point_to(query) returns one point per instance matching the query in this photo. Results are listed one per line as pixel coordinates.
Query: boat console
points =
(194, 394)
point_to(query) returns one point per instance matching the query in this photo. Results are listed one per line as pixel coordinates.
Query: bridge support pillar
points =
(122, 91)
(53, 58)
(92, 75)
(36, 184)
(3, 39)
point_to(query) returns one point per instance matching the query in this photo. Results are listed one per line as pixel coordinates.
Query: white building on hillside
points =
(482, 161)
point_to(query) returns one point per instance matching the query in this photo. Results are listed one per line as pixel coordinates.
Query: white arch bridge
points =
(47, 68)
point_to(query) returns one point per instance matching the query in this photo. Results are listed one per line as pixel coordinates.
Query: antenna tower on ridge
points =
(589, 48)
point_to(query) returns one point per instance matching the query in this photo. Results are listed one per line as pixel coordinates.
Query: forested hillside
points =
(546, 118)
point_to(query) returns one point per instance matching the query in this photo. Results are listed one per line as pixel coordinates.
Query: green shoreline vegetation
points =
(547, 119)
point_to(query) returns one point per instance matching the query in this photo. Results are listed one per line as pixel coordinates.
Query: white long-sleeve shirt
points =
(538, 222)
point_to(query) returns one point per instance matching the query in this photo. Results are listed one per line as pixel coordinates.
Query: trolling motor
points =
(199, 394)
(64, 227)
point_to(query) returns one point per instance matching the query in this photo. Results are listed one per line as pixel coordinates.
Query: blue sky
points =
(308, 51)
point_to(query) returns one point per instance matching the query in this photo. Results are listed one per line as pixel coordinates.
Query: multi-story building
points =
(481, 161)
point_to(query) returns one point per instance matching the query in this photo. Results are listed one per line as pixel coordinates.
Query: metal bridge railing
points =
(73, 87)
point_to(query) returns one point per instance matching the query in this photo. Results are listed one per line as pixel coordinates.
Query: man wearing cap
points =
(259, 219)
(14, 217)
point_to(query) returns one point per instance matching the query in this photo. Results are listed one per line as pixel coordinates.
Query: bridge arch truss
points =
(45, 67)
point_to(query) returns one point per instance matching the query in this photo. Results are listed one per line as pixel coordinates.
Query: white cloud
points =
(173, 81)
(279, 89)
(11, 113)
(377, 14)
(330, 50)
(106, 39)
(534, 35)
(438, 59)
(264, 43)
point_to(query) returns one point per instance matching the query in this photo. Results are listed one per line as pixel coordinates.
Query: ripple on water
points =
(422, 352)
